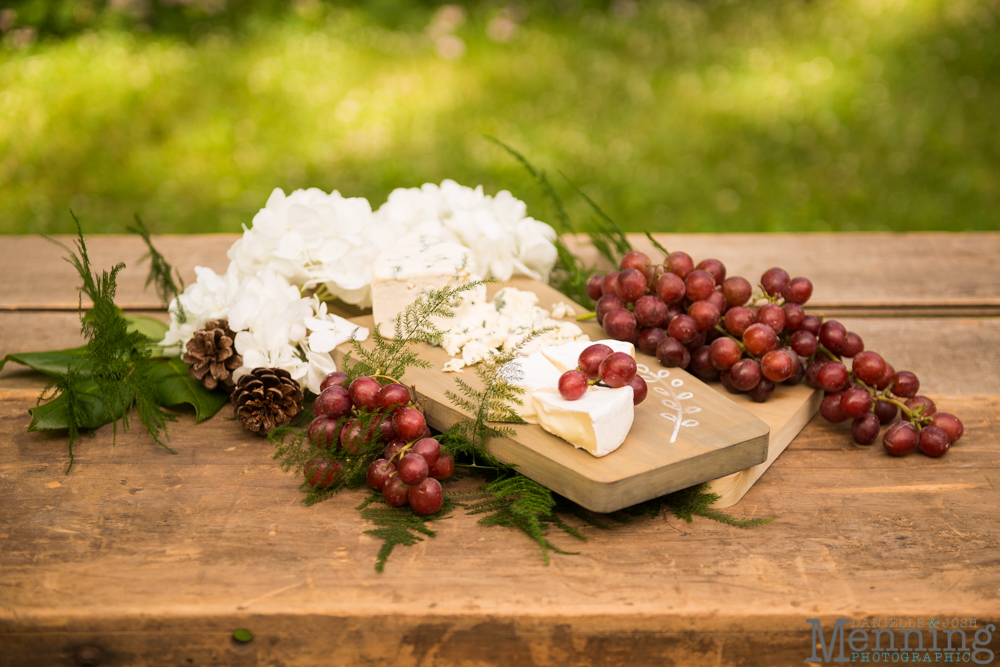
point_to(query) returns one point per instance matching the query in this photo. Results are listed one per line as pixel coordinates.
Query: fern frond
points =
(161, 274)
(397, 526)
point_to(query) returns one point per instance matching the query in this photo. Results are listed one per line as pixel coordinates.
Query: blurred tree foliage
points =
(673, 115)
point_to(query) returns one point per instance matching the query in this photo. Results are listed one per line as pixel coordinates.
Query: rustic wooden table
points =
(157, 559)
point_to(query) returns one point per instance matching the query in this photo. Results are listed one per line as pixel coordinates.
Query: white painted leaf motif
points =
(689, 422)
(673, 398)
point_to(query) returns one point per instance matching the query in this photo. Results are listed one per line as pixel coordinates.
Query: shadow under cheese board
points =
(684, 433)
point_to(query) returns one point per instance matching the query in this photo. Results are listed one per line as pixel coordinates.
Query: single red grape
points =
(950, 424)
(763, 391)
(831, 409)
(631, 284)
(737, 290)
(812, 324)
(704, 313)
(590, 359)
(714, 267)
(800, 375)
(427, 497)
(760, 339)
(679, 263)
(393, 395)
(669, 287)
(701, 363)
(774, 281)
(650, 311)
(444, 466)
(885, 411)
(573, 385)
(409, 424)
(853, 345)
(833, 336)
(322, 473)
(609, 282)
(396, 492)
(925, 406)
(364, 393)
(698, 285)
(699, 340)
(635, 260)
(901, 438)
(650, 338)
(351, 438)
(618, 369)
(865, 429)
(794, 316)
(869, 367)
(812, 371)
(804, 343)
(639, 390)
(798, 290)
(726, 378)
(777, 366)
(934, 441)
(594, 284)
(324, 431)
(745, 374)
(856, 402)
(334, 379)
(334, 401)
(738, 319)
(905, 384)
(378, 473)
(620, 324)
(672, 353)
(773, 316)
(606, 304)
(384, 430)
(832, 377)
(718, 299)
(724, 353)
(429, 448)
(683, 328)
(412, 468)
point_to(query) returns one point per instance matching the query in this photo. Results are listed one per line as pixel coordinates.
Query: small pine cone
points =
(211, 356)
(266, 398)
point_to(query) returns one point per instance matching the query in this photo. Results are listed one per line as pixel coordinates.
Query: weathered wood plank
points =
(935, 270)
(137, 544)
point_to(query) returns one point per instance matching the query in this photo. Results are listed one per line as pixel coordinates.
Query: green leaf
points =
(51, 363)
(150, 327)
(175, 387)
(54, 415)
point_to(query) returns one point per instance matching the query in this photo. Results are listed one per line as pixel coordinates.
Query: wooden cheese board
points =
(685, 433)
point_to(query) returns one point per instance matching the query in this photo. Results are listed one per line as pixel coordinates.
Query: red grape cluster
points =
(694, 317)
(414, 461)
(600, 364)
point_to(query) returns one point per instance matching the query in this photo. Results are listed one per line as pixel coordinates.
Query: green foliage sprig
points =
(161, 274)
(398, 526)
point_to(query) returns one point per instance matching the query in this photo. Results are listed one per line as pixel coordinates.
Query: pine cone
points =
(266, 398)
(211, 356)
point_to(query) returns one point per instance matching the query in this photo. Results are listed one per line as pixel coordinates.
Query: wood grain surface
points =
(157, 559)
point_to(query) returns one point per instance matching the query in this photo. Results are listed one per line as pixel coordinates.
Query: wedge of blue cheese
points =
(413, 266)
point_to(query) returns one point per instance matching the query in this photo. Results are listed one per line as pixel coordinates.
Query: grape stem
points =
(386, 377)
(827, 352)
(586, 316)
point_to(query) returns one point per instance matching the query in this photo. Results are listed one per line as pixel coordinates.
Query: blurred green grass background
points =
(672, 115)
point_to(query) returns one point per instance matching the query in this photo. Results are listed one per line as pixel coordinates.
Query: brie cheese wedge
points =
(566, 357)
(415, 265)
(598, 422)
(532, 373)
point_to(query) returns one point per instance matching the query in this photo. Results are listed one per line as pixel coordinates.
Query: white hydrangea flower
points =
(206, 299)
(313, 238)
(503, 239)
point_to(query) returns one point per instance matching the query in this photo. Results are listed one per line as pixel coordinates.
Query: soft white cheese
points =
(566, 357)
(597, 423)
(531, 373)
(415, 265)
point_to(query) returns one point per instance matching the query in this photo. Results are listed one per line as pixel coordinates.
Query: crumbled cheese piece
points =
(453, 366)
(562, 310)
